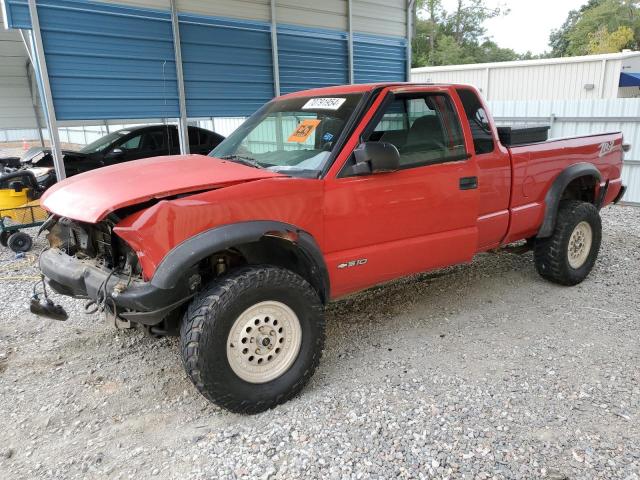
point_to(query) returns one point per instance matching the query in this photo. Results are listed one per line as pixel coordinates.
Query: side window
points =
(478, 121)
(132, 144)
(425, 129)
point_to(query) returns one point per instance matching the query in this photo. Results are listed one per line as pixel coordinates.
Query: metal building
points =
(615, 75)
(18, 91)
(190, 59)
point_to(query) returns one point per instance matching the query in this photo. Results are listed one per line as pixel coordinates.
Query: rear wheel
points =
(20, 242)
(570, 253)
(253, 338)
(4, 238)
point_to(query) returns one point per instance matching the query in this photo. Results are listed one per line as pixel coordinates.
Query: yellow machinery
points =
(19, 209)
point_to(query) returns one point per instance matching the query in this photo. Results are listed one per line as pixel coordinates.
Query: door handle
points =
(468, 183)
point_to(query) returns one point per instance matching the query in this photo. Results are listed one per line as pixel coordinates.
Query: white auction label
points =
(324, 104)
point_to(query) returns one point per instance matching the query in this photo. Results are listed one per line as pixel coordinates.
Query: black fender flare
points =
(559, 185)
(175, 265)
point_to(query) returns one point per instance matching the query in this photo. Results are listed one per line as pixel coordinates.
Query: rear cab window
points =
(483, 141)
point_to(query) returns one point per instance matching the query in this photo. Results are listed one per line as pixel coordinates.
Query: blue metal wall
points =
(227, 66)
(108, 62)
(379, 59)
(311, 58)
(112, 62)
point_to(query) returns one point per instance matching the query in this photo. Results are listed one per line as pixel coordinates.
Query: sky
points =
(528, 25)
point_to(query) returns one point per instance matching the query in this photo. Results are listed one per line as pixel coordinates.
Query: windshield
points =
(104, 142)
(293, 135)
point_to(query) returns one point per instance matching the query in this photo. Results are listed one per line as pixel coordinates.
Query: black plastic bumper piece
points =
(621, 193)
(139, 302)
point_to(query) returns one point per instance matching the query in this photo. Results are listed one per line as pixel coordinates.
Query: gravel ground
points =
(478, 371)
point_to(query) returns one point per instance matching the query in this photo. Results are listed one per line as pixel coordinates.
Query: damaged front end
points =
(89, 261)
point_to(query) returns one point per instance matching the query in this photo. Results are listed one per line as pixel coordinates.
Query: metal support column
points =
(603, 78)
(34, 104)
(352, 78)
(43, 76)
(183, 128)
(30, 79)
(274, 50)
(410, 7)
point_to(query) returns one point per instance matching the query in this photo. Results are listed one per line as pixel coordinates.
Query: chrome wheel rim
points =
(264, 341)
(580, 244)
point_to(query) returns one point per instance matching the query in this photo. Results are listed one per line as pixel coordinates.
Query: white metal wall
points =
(577, 78)
(381, 17)
(571, 118)
(16, 106)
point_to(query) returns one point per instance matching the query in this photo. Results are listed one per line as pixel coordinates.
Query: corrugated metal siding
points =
(379, 59)
(583, 118)
(629, 92)
(17, 13)
(475, 77)
(16, 104)
(227, 65)
(108, 62)
(546, 82)
(382, 17)
(573, 80)
(246, 9)
(154, 4)
(313, 13)
(311, 58)
(631, 175)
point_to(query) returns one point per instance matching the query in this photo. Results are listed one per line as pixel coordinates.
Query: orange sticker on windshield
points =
(304, 130)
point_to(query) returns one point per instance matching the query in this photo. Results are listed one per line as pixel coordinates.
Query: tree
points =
(457, 37)
(559, 39)
(600, 26)
(466, 23)
(604, 41)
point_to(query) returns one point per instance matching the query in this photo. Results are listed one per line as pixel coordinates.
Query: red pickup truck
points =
(319, 194)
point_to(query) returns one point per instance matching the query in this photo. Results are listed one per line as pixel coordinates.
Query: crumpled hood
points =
(90, 196)
(39, 155)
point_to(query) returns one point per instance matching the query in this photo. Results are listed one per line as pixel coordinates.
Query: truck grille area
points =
(95, 242)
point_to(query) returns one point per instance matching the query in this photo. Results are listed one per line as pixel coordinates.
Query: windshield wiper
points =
(250, 162)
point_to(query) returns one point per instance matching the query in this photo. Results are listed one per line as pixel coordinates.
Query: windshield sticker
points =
(304, 130)
(327, 137)
(324, 104)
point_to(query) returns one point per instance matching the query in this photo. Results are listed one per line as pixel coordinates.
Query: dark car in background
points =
(116, 147)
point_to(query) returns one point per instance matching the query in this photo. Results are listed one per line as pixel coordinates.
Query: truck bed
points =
(537, 165)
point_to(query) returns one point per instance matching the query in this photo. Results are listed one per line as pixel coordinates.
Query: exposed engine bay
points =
(95, 242)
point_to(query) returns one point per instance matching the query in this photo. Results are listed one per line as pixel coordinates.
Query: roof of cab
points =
(341, 89)
(359, 88)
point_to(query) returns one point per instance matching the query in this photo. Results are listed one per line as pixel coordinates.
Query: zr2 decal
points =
(606, 148)
(353, 263)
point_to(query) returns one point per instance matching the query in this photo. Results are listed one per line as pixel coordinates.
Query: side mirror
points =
(115, 154)
(376, 157)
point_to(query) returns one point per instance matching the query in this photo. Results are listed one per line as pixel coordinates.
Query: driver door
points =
(382, 226)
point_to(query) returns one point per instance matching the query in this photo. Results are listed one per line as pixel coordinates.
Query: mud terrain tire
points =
(567, 256)
(253, 338)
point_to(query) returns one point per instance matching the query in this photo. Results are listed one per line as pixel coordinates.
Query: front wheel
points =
(570, 253)
(253, 338)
